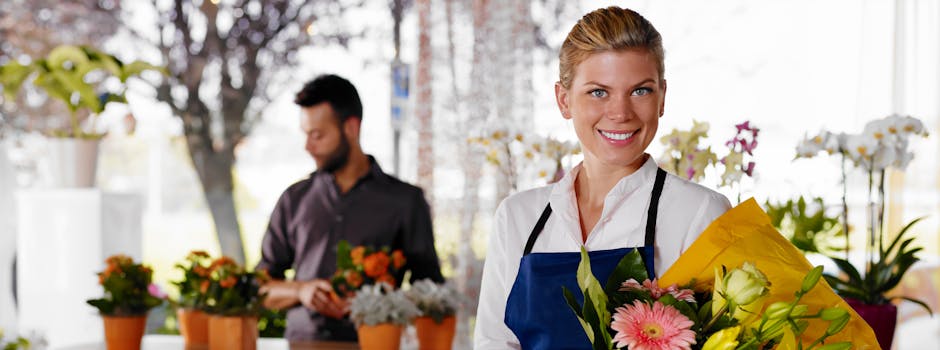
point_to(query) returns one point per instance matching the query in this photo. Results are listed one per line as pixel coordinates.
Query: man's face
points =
(326, 141)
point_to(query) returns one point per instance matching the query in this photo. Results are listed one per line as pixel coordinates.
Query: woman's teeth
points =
(616, 136)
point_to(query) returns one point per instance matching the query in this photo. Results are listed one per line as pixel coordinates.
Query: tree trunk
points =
(215, 174)
(424, 102)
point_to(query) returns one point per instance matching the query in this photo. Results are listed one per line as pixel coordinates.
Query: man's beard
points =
(339, 157)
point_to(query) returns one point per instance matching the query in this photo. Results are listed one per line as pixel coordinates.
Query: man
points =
(347, 198)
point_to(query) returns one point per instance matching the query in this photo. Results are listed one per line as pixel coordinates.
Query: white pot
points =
(73, 162)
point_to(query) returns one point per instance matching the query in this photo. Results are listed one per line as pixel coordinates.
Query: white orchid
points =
(861, 148)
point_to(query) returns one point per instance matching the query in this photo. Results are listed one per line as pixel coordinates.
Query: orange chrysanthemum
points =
(387, 278)
(228, 282)
(353, 278)
(376, 264)
(398, 259)
(357, 254)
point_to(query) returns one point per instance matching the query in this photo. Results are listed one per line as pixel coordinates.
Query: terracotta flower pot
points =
(233, 332)
(194, 326)
(883, 319)
(384, 336)
(434, 336)
(124, 332)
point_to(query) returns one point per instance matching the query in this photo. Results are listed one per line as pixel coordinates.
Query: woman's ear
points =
(561, 98)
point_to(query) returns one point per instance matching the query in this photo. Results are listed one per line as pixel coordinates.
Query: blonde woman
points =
(611, 86)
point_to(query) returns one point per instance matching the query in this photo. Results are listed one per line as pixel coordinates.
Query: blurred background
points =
(201, 155)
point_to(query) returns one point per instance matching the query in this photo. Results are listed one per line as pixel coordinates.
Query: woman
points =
(611, 87)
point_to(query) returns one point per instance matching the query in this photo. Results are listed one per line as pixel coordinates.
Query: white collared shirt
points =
(685, 210)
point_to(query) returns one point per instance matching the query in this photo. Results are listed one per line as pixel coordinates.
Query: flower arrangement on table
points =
(232, 290)
(128, 288)
(128, 295)
(380, 312)
(881, 146)
(190, 316)
(361, 266)
(196, 280)
(769, 299)
(685, 157)
(438, 304)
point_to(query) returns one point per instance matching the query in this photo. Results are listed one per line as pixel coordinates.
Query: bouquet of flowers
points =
(232, 290)
(128, 290)
(359, 266)
(196, 279)
(777, 305)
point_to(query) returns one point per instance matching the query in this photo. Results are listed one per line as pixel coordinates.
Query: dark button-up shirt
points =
(312, 216)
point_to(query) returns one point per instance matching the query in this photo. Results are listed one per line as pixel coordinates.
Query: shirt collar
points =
(375, 173)
(563, 198)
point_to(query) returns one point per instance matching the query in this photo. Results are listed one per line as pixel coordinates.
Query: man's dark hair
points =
(338, 92)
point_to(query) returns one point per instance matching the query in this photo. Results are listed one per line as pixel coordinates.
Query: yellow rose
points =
(725, 339)
(743, 289)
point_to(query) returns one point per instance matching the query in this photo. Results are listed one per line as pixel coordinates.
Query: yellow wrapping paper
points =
(745, 233)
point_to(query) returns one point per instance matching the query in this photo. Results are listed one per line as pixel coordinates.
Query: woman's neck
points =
(592, 184)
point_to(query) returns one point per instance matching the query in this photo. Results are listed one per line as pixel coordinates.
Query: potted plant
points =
(882, 145)
(128, 296)
(438, 305)
(85, 80)
(380, 313)
(867, 293)
(193, 321)
(233, 303)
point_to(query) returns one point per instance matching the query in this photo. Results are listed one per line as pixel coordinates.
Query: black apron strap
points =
(654, 205)
(650, 216)
(537, 230)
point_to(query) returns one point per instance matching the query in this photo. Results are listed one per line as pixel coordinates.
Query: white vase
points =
(73, 162)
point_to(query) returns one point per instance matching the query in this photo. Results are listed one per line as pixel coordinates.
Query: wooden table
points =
(175, 342)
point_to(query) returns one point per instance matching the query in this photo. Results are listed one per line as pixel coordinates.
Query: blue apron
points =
(536, 310)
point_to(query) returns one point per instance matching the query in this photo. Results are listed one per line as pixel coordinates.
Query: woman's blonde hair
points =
(611, 28)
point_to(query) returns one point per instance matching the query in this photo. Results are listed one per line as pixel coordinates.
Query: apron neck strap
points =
(650, 216)
(654, 206)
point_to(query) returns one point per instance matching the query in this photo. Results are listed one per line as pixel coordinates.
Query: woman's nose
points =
(620, 109)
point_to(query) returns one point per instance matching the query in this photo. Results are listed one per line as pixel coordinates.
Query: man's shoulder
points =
(396, 186)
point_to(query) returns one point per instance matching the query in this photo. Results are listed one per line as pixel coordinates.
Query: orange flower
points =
(101, 278)
(217, 263)
(204, 286)
(357, 254)
(198, 254)
(200, 271)
(398, 259)
(353, 278)
(376, 264)
(387, 278)
(228, 282)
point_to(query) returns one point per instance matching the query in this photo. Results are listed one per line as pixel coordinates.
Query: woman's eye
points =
(642, 91)
(598, 93)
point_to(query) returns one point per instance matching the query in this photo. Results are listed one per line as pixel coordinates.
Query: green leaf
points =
(572, 301)
(854, 276)
(590, 318)
(630, 266)
(343, 260)
(67, 53)
(592, 288)
(12, 76)
(918, 302)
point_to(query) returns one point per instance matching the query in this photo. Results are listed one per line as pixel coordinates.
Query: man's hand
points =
(318, 295)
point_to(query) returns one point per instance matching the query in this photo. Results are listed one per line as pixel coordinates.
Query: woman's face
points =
(615, 101)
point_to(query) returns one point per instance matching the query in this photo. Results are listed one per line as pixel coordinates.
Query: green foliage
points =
(196, 280)
(126, 288)
(234, 291)
(272, 323)
(76, 76)
(883, 275)
(809, 231)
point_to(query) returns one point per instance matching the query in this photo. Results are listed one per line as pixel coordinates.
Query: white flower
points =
(911, 125)
(860, 149)
(809, 147)
(378, 304)
(884, 157)
(434, 300)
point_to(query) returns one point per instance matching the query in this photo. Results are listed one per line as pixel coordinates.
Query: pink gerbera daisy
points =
(660, 327)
